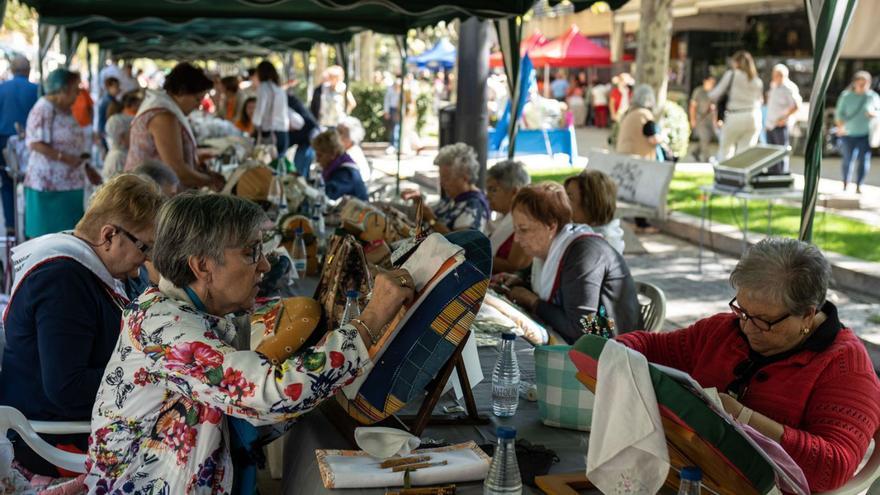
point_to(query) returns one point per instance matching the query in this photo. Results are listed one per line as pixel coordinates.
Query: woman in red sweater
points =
(789, 368)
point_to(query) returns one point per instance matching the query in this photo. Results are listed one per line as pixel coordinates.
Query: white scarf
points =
(34, 253)
(544, 271)
(501, 231)
(156, 99)
(613, 234)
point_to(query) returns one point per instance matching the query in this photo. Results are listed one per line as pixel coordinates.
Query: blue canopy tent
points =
(440, 56)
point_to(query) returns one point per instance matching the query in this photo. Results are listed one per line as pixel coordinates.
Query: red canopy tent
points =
(534, 41)
(571, 50)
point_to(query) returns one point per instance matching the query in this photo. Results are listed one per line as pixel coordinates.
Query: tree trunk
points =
(367, 58)
(655, 38)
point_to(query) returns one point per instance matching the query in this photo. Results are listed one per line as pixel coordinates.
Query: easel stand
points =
(416, 424)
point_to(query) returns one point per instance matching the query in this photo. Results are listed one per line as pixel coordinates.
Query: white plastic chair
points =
(866, 476)
(652, 306)
(12, 418)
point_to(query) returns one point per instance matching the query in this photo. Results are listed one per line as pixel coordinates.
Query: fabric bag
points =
(563, 402)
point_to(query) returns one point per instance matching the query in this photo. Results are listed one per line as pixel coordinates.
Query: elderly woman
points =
(503, 181)
(785, 363)
(62, 322)
(638, 134)
(57, 167)
(575, 272)
(464, 206)
(161, 129)
(351, 133)
(342, 176)
(593, 198)
(857, 106)
(158, 422)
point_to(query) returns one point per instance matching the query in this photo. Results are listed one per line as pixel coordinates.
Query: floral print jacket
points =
(158, 425)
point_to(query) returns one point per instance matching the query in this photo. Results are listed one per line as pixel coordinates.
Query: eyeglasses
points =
(254, 252)
(760, 324)
(141, 245)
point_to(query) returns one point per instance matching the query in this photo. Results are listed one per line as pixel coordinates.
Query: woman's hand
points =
(505, 281)
(205, 154)
(215, 181)
(524, 297)
(391, 290)
(410, 194)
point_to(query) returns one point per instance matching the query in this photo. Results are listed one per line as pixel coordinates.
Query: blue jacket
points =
(61, 329)
(17, 97)
(346, 181)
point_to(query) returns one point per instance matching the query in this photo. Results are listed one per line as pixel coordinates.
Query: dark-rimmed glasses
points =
(141, 245)
(254, 252)
(762, 325)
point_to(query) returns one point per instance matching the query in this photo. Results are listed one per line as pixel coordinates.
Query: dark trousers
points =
(392, 125)
(779, 136)
(7, 192)
(855, 148)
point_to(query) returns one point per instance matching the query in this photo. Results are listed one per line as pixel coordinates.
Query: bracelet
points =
(745, 415)
(374, 339)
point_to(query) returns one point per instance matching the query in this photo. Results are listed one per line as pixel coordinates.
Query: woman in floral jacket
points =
(175, 383)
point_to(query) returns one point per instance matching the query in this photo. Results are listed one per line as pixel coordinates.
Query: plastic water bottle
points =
(319, 226)
(322, 192)
(351, 310)
(505, 379)
(504, 477)
(690, 480)
(299, 253)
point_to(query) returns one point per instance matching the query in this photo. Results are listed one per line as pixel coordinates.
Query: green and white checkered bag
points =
(563, 401)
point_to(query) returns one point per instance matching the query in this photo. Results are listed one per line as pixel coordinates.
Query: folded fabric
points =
(381, 442)
(499, 310)
(563, 401)
(432, 253)
(357, 469)
(627, 451)
(789, 476)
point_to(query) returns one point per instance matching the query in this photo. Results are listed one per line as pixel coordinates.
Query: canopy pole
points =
(546, 81)
(401, 107)
(471, 114)
(2, 11)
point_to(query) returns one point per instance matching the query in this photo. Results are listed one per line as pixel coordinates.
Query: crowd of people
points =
(168, 393)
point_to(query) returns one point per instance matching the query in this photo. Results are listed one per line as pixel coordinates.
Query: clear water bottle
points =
(691, 477)
(298, 253)
(319, 226)
(351, 310)
(322, 192)
(504, 477)
(505, 379)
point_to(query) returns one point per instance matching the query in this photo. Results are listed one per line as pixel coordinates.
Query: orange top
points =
(231, 104)
(82, 108)
(245, 128)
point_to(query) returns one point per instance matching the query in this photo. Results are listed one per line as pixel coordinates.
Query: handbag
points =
(563, 402)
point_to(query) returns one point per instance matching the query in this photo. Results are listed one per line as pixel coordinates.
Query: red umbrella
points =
(534, 41)
(571, 50)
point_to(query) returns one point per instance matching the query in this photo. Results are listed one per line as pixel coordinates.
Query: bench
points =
(642, 185)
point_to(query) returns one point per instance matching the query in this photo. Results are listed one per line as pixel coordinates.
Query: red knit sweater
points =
(828, 401)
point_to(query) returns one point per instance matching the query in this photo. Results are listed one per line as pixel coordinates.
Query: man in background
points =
(703, 116)
(17, 96)
(783, 101)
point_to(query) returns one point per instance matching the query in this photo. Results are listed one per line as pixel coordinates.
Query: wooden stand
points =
(416, 424)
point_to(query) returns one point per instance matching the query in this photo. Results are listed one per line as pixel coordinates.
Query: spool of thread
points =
(528, 391)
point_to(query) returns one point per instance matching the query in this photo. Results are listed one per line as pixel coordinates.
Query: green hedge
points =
(369, 98)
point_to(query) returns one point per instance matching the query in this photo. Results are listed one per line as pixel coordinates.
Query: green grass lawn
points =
(830, 232)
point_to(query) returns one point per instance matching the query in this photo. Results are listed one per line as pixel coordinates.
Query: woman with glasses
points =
(783, 361)
(177, 395)
(62, 321)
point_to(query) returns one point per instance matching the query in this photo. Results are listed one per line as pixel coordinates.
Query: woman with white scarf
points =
(161, 129)
(503, 181)
(575, 272)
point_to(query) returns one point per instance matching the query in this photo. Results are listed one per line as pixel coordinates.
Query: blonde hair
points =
(745, 63)
(127, 200)
(598, 196)
(328, 142)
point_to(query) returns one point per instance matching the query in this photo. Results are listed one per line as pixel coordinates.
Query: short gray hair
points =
(510, 174)
(643, 97)
(462, 158)
(787, 271)
(201, 225)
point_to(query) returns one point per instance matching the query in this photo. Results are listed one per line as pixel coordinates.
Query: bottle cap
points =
(506, 432)
(352, 293)
(691, 473)
(508, 336)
